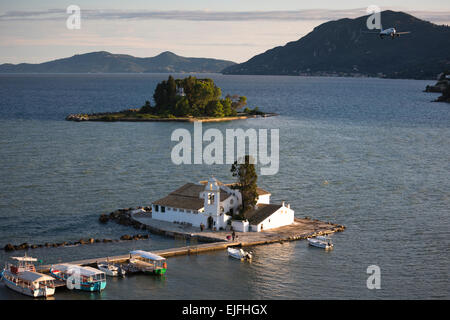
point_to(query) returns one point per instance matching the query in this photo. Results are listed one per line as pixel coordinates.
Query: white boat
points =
(23, 278)
(321, 242)
(110, 269)
(239, 254)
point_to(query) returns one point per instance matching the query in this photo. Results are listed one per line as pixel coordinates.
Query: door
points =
(210, 222)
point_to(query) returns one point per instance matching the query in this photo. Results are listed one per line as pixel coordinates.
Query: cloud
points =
(206, 15)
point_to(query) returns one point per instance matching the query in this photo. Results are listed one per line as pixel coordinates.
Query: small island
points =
(188, 99)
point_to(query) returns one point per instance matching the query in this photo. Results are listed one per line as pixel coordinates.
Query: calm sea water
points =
(381, 144)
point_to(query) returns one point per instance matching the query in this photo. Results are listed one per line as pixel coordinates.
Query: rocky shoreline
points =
(442, 86)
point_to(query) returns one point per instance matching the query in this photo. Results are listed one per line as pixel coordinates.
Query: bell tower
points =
(211, 197)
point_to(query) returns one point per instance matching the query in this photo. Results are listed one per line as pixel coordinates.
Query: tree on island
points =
(246, 184)
(192, 97)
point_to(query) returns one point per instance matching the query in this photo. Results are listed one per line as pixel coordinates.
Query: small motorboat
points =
(239, 254)
(321, 242)
(111, 269)
(22, 277)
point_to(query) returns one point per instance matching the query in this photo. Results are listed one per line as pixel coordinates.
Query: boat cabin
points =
(89, 279)
(31, 280)
(23, 264)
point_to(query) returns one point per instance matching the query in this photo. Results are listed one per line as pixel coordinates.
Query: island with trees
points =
(188, 99)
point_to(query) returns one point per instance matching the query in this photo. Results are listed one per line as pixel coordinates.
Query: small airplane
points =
(390, 32)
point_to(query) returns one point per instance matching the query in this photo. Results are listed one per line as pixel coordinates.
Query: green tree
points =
(227, 109)
(171, 90)
(201, 98)
(214, 109)
(161, 97)
(246, 183)
(203, 92)
(182, 108)
(146, 108)
(242, 102)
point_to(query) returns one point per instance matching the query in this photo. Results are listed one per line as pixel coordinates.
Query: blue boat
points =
(78, 277)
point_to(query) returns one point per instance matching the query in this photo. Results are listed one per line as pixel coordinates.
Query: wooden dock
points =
(301, 229)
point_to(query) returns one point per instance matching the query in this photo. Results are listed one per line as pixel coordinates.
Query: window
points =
(231, 201)
(181, 210)
(175, 209)
(156, 208)
(210, 198)
(163, 209)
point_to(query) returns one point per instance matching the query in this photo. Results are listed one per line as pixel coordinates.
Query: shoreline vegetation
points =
(186, 100)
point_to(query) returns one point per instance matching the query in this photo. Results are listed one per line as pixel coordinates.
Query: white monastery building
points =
(213, 204)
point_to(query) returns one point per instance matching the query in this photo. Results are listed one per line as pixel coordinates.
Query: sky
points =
(36, 31)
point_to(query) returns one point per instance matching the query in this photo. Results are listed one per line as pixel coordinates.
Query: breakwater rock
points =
(25, 246)
(124, 217)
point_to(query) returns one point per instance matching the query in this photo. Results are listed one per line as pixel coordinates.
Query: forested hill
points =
(105, 62)
(340, 48)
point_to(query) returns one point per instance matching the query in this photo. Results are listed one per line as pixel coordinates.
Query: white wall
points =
(241, 226)
(265, 198)
(171, 215)
(220, 217)
(282, 217)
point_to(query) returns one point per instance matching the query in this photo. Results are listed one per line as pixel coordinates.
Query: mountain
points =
(105, 62)
(339, 48)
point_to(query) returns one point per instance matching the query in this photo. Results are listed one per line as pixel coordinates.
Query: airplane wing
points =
(405, 32)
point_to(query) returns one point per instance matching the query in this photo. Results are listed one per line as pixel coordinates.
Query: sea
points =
(371, 154)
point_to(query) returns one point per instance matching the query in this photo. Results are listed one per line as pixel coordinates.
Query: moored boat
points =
(23, 278)
(239, 254)
(321, 242)
(78, 277)
(147, 262)
(110, 269)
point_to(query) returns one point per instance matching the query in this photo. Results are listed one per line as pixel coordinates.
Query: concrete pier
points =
(300, 229)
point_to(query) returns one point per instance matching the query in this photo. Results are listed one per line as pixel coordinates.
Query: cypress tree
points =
(246, 184)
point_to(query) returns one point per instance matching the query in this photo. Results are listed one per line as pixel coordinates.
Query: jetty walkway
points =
(217, 240)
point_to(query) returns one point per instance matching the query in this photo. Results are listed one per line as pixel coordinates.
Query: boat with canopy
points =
(147, 262)
(79, 277)
(22, 277)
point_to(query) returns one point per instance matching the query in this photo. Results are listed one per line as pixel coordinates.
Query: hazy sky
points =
(35, 31)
